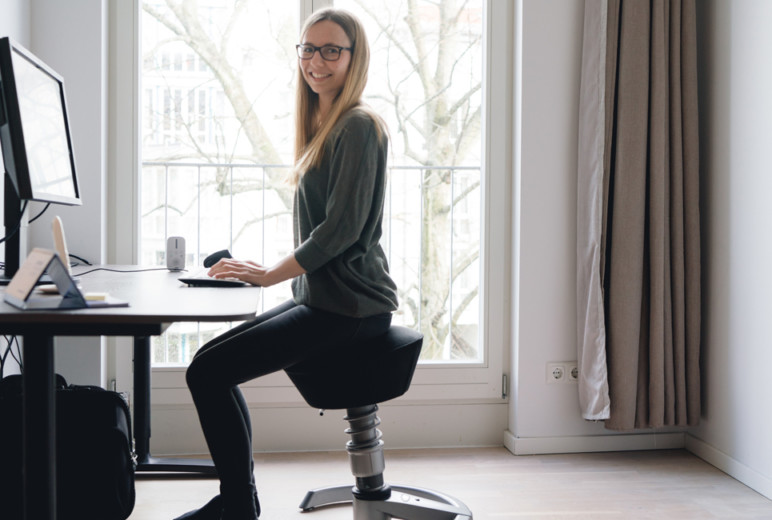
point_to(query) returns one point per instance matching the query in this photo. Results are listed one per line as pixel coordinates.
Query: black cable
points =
(81, 260)
(9, 350)
(121, 270)
(18, 360)
(33, 219)
(4, 356)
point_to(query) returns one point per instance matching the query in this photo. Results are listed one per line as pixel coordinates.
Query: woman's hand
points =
(256, 274)
(249, 272)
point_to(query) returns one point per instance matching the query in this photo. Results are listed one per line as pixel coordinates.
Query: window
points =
(217, 139)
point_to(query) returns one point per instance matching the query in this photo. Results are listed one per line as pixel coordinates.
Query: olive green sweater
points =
(338, 216)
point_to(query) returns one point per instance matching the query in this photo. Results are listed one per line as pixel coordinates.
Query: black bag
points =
(95, 461)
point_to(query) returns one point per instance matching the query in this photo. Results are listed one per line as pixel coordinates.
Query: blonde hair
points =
(309, 141)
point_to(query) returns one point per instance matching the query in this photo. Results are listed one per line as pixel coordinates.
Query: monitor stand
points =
(13, 243)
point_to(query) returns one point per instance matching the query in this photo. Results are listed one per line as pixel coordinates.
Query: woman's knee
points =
(194, 374)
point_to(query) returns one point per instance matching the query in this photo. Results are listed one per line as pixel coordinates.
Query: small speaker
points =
(175, 253)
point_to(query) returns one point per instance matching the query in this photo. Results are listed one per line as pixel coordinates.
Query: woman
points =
(341, 288)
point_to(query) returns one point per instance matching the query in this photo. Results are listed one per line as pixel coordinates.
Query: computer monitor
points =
(35, 139)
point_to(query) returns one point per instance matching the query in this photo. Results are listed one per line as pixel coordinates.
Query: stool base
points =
(407, 503)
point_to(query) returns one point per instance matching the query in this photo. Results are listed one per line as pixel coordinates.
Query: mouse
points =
(215, 257)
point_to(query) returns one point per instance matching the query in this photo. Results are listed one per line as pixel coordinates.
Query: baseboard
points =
(735, 469)
(593, 443)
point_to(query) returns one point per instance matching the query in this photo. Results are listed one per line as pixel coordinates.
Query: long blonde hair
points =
(309, 141)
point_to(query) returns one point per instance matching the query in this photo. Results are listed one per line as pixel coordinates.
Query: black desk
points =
(157, 300)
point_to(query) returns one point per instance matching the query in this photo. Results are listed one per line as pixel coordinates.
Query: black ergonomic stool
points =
(362, 376)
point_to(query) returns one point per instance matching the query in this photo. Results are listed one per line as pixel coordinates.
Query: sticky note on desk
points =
(95, 296)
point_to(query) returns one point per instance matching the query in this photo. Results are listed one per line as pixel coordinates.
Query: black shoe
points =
(211, 511)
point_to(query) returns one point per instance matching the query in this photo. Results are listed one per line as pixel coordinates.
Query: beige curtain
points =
(638, 241)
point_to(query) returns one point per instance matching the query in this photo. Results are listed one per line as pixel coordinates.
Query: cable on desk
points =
(81, 260)
(122, 270)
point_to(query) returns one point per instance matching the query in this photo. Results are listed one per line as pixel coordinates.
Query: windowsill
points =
(451, 385)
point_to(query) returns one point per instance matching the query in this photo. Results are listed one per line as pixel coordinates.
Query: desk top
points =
(156, 299)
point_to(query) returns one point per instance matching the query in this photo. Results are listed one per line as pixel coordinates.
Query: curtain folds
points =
(638, 264)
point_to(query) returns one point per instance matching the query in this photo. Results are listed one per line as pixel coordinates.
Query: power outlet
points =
(562, 372)
(572, 372)
(556, 372)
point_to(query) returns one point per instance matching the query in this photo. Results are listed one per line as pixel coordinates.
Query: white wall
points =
(736, 154)
(550, 59)
(14, 21)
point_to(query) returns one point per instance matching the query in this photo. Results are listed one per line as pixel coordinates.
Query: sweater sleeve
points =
(353, 165)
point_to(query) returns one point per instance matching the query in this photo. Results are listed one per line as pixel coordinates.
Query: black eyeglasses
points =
(327, 52)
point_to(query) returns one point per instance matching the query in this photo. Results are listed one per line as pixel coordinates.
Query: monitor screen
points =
(34, 128)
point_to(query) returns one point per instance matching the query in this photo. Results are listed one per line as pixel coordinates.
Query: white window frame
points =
(433, 382)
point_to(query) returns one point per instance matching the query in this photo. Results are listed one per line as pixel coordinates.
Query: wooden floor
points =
(493, 483)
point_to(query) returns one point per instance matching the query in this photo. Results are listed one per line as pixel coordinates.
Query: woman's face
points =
(326, 78)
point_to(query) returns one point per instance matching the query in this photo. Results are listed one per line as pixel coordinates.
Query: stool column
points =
(365, 451)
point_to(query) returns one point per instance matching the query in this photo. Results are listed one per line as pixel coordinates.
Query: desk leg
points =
(39, 426)
(142, 398)
(145, 462)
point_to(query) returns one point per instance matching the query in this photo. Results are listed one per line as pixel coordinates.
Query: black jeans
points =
(275, 340)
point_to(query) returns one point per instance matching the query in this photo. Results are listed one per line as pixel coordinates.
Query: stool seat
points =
(356, 378)
(365, 373)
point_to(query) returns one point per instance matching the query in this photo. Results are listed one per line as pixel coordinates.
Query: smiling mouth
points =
(319, 76)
